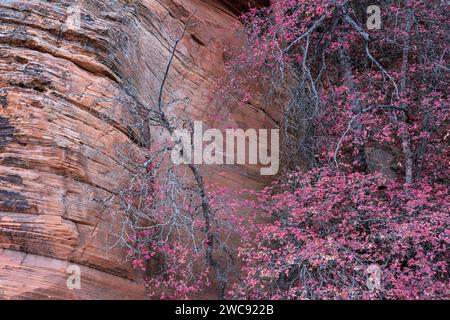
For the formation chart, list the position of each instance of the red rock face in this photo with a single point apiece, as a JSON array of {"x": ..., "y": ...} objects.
[{"x": 64, "y": 96}]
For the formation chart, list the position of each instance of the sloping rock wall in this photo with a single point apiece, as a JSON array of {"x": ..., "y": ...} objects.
[{"x": 64, "y": 93}]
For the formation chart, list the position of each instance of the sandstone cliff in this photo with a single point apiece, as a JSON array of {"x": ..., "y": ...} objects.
[{"x": 64, "y": 93}]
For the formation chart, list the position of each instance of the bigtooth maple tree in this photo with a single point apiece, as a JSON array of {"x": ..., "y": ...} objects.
[{"x": 330, "y": 225}]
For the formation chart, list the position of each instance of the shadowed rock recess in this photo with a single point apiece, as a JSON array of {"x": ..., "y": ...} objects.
[{"x": 64, "y": 95}]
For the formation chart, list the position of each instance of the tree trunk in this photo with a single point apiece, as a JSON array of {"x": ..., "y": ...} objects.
[
  {"x": 346, "y": 65},
  {"x": 405, "y": 138}
]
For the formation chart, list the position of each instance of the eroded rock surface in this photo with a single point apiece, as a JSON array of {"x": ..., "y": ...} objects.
[{"x": 64, "y": 93}]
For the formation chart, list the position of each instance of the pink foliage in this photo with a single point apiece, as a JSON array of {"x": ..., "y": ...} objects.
[
  {"x": 276, "y": 44},
  {"x": 328, "y": 228}
]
